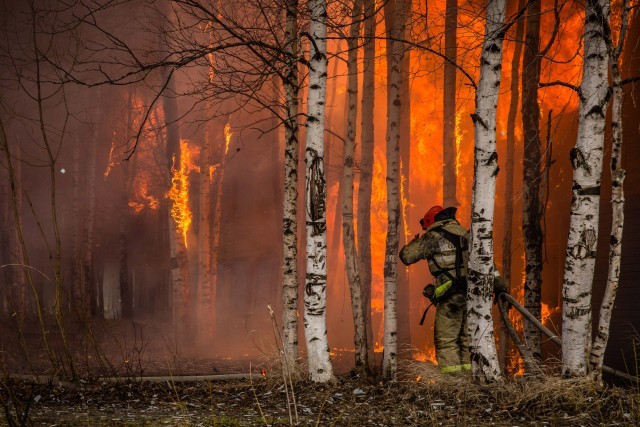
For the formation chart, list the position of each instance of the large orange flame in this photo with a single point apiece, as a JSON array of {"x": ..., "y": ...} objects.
[{"x": 179, "y": 191}]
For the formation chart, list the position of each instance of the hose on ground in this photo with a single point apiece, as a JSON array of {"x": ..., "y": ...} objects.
[{"x": 526, "y": 356}]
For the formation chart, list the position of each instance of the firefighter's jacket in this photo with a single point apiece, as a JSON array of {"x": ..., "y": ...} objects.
[{"x": 439, "y": 251}]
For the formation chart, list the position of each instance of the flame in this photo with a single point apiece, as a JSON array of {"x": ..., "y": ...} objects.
[
  {"x": 179, "y": 191},
  {"x": 142, "y": 198},
  {"x": 227, "y": 137},
  {"x": 111, "y": 163},
  {"x": 429, "y": 355}
]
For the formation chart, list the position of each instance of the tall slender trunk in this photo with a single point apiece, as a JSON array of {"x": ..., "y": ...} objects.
[
  {"x": 205, "y": 306},
  {"x": 216, "y": 223},
  {"x": 366, "y": 168},
  {"x": 351, "y": 255},
  {"x": 509, "y": 172},
  {"x": 394, "y": 22},
  {"x": 404, "y": 297},
  {"x": 126, "y": 291},
  {"x": 177, "y": 244},
  {"x": 290, "y": 211},
  {"x": 449, "y": 174},
  {"x": 617, "y": 201},
  {"x": 88, "y": 269},
  {"x": 315, "y": 295},
  {"x": 484, "y": 359},
  {"x": 76, "y": 303},
  {"x": 586, "y": 160},
  {"x": 204, "y": 298},
  {"x": 531, "y": 178}
]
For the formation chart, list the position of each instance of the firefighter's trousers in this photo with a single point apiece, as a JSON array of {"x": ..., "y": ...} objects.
[{"x": 451, "y": 340}]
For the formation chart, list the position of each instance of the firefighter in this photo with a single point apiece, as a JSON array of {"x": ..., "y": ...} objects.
[{"x": 445, "y": 246}]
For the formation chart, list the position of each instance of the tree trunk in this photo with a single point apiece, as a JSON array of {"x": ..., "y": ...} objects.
[
  {"x": 366, "y": 168},
  {"x": 217, "y": 213},
  {"x": 404, "y": 297},
  {"x": 89, "y": 223},
  {"x": 394, "y": 22},
  {"x": 77, "y": 303},
  {"x": 586, "y": 161},
  {"x": 484, "y": 359},
  {"x": 617, "y": 201},
  {"x": 177, "y": 241},
  {"x": 315, "y": 295},
  {"x": 531, "y": 178},
  {"x": 289, "y": 221},
  {"x": 449, "y": 172},
  {"x": 503, "y": 340},
  {"x": 205, "y": 307},
  {"x": 351, "y": 256}
]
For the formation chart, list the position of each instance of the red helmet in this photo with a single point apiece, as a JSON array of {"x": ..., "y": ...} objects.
[{"x": 429, "y": 217}]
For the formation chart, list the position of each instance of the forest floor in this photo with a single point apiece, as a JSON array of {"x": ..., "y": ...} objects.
[{"x": 421, "y": 397}]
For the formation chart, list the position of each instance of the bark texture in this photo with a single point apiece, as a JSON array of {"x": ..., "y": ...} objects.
[
  {"x": 531, "y": 178},
  {"x": 366, "y": 167},
  {"x": 289, "y": 221},
  {"x": 484, "y": 358},
  {"x": 586, "y": 161},
  {"x": 449, "y": 173},
  {"x": 617, "y": 202},
  {"x": 350, "y": 252},
  {"x": 394, "y": 20},
  {"x": 315, "y": 295},
  {"x": 509, "y": 172}
]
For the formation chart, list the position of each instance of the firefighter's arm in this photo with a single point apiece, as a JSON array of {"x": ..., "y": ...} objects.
[{"x": 414, "y": 251}]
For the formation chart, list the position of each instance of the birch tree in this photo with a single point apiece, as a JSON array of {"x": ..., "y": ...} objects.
[
  {"x": 366, "y": 166},
  {"x": 289, "y": 219},
  {"x": 395, "y": 31},
  {"x": 449, "y": 178},
  {"x": 617, "y": 199},
  {"x": 586, "y": 161},
  {"x": 484, "y": 359},
  {"x": 315, "y": 295},
  {"x": 351, "y": 255}
]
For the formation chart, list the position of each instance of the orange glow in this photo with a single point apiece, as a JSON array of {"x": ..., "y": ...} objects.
[
  {"x": 179, "y": 192},
  {"x": 142, "y": 199},
  {"x": 111, "y": 163},
  {"x": 429, "y": 355},
  {"x": 227, "y": 137}
]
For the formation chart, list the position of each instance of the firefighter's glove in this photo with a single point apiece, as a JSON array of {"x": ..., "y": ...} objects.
[{"x": 498, "y": 290}]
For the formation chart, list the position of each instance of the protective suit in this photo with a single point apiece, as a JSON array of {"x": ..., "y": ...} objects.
[{"x": 445, "y": 247}]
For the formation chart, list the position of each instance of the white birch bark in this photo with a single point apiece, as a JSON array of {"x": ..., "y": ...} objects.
[
  {"x": 586, "y": 161},
  {"x": 315, "y": 295},
  {"x": 351, "y": 255},
  {"x": 617, "y": 202},
  {"x": 482, "y": 346},
  {"x": 394, "y": 49},
  {"x": 289, "y": 221}
]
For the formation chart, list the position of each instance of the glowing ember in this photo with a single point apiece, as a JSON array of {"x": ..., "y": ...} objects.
[{"x": 227, "y": 136}]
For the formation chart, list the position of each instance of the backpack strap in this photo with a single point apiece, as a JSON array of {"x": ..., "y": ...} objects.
[{"x": 461, "y": 244}]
